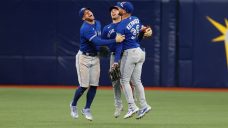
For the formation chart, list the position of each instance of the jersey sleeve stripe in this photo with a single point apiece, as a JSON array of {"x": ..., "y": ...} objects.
[{"x": 92, "y": 37}]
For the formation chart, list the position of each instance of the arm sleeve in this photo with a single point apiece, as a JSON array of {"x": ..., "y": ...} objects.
[
  {"x": 98, "y": 48},
  {"x": 141, "y": 33},
  {"x": 98, "y": 41},
  {"x": 104, "y": 33},
  {"x": 119, "y": 48},
  {"x": 120, "y": 29},
  {"x": 90, "y": 33},
  {"x": 140, "y": 36},
  {"x": 92, "y": 37}
]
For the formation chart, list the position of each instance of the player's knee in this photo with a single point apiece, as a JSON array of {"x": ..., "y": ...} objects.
[
  {"x": 81, "y": 90},
  {"x": 124, "y": 82},
  {"x": 116, "y": 84},
  {"x": 136, "y": 82},
  {"x": 93, "y": 87}
]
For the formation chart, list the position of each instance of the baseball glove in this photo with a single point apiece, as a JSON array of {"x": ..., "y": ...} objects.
[
  {"x": 104, "y": 51},
  {"x": 114, "y": 73},
  {"x": 146, "y": 31}
]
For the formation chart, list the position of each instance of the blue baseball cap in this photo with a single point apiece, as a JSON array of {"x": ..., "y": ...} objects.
[
  {"x": 127, "y": 6},
  {"x": 82, "y": 10},
  {"x": 113, "y": 7}
]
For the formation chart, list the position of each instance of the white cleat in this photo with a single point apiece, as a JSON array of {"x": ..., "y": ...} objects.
[
  {"x": 87, "y": 114},
  {"x": 73, "y": 111},
  {"x": 143, "y": 111},
  {"x": 131, "y": 112},
  {"x": 118, "y": 111}
]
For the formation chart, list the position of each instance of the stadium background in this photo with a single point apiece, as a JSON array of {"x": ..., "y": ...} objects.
[{"x": 39, "y": 39}]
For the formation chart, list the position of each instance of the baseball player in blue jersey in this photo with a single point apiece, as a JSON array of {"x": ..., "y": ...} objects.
[
  {"x": 87, "y": 61},
  {"x": 109, "y": 32},
  {"x": 132, "y": 60}
]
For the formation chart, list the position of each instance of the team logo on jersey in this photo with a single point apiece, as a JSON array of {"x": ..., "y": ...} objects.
[
  {"x": 110, "y": 33},
  {"x": 224, "y": 37},
  {"x": 98, "y": 33}
]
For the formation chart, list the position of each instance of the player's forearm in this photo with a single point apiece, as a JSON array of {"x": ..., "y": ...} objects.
[
  {"x": 98, "y": 48},
  {"x": 118, "y": 53},
  {"x": 140, "y": 36},
  {"x": 98, "y": 41},
  {"x": 117, "y": 58}
]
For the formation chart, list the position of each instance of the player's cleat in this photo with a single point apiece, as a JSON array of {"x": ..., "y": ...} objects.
[
  {"x": 131, "y": 112},
  {"x": 118, "y": 111},
  {"x": 87, "y": 114},
  {"x": 143, "y": 111},
  {"x": 73, "y": 111}
]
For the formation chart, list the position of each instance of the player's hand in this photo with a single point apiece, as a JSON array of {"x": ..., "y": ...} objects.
[
  {"x": 120, "y": 38},
  {"x": 114, "y": 72},
  {"x": 148, "y": 32},
  {"x": 115, "y": 65}
]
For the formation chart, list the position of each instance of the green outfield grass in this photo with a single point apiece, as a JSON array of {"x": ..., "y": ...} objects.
[{"x": 49, "y": 108}]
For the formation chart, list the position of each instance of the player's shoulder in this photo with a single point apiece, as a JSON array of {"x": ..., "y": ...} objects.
[
  {"x": 89, "y": 27},
  {"x": 122, "y": 23},
  {"x": 108, "y": 26},
  {"x": 85, "y": 26},
  {"x": 134, "y": 17},
  {"x": 97, "y": 22}
]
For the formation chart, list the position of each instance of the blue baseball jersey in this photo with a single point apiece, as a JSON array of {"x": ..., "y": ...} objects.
[
  {"x": 129, "y": 27},
  {"x": 109, "y": 32},
  {"x": 90, "y": 37}
]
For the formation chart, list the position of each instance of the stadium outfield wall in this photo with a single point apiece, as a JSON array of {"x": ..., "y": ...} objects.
[{"x": 39, "y": 40}]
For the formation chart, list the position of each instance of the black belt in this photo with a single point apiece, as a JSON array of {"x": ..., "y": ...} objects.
[{"x": 89, "y": 54}]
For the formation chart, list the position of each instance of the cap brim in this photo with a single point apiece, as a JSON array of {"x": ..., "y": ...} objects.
[
  {"x": 87, "y": 9},
  {"x": 82, "y": 11},
  {"x": 113, "y": 7}
]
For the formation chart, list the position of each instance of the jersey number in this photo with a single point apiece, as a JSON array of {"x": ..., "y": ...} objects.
[{"x": 135, "y": 32}]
